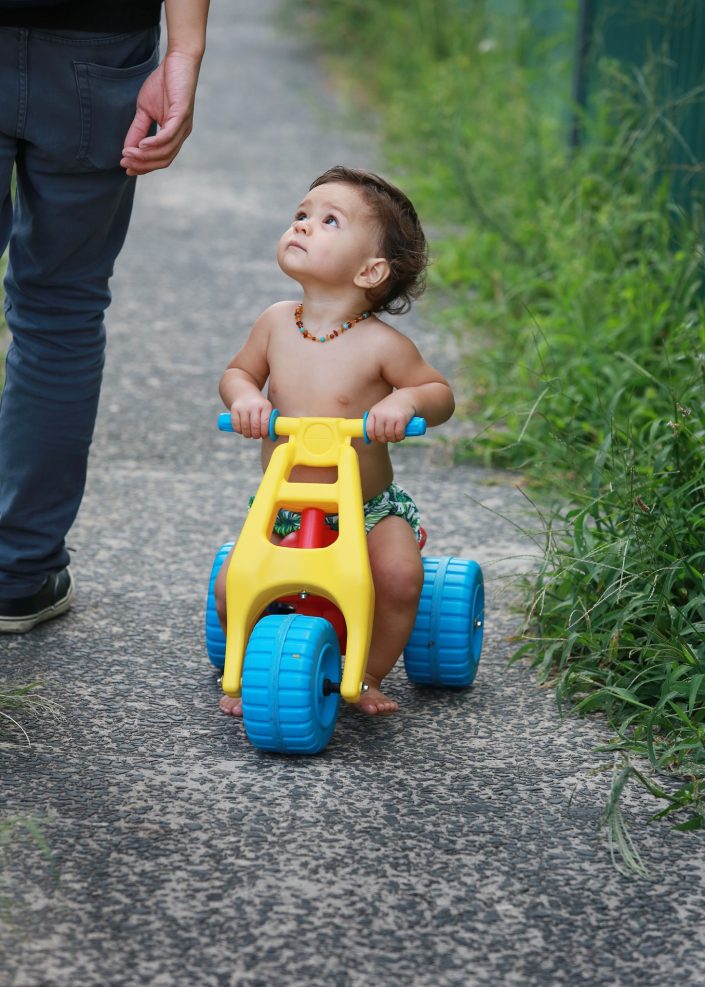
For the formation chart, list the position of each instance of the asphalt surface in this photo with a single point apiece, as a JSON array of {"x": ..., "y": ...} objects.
[{"x": 454, "y": 844}]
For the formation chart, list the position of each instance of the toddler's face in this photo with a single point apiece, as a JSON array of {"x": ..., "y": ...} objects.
[{"x": 331, "y": 238}]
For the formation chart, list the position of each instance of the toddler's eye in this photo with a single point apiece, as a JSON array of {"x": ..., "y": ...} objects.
[
  {"x": 299, "y": 216},
  {"x": 330, "y": 221}
]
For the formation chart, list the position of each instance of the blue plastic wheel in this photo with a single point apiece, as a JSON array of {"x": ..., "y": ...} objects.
[
  {"x": 286, "y": 704},
  {"x": 215, "y": 639},
  {"x": 446, "y": 642}
]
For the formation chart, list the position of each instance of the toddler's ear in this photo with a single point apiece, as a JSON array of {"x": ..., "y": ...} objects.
[{"x": 375, "y": 271}]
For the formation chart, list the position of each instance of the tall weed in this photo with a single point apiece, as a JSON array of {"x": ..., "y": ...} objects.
[{"x": 617, "y": 617}]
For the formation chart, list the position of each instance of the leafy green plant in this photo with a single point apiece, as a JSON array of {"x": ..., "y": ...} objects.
[{"x": 617, "y": 616}]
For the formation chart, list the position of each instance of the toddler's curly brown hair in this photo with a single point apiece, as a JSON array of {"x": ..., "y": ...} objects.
[{"x": 402, "y": 240}]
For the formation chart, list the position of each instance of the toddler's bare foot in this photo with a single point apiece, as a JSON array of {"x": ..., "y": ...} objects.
[
  {"x": 233, "y": 707},
  {"x": 373, "y": 702}
]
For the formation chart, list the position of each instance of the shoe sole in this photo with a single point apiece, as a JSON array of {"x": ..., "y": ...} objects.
[{"x": 20, "y": 625}]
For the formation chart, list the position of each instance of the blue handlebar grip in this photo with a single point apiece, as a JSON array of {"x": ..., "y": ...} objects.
[
  {"x": 365, "y": 436},
  {"x": 273, "y": 425},
  {"x": 225, "y": 424},
  {"x": 416, "y": 426}
]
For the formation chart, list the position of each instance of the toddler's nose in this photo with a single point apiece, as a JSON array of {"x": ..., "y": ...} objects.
[{"x": 301, "y": 225}]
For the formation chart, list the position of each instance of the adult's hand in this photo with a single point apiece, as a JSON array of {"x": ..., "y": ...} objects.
[{"x": 166, "y": 98}]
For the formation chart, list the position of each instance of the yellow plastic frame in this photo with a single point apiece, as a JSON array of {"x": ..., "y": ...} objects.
[{"x": 261, "y": 572}]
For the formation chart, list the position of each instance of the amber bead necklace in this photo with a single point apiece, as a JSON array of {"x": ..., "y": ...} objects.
[{"x": 344, "y": 326}]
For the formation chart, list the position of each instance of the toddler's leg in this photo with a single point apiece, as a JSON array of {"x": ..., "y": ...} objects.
[{"x": 397, "y": 573}]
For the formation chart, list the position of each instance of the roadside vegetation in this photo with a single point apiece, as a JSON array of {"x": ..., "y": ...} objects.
[
  {"x": 573, "y": 282},
  {"x": 17, "y": 703}
]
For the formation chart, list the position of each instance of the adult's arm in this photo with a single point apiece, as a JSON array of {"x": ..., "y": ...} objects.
[{"x": 168, "y": 94}]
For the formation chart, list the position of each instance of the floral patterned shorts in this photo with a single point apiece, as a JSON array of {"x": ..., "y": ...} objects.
[{"x": 394, "y": 501}]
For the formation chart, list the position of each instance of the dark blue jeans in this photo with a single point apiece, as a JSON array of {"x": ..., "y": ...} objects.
[{"x": 67, "y": 99}]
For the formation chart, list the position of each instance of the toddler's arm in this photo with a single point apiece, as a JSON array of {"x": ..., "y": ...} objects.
[
  {"x": 419, "y": 389},
  {"x": 242, "y": 382}
]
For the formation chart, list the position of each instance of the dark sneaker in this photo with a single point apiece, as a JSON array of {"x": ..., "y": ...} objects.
[{"x": 51, "y": 599}]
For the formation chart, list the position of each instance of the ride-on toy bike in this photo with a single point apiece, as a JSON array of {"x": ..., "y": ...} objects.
[{"x": 295, "y": 607}]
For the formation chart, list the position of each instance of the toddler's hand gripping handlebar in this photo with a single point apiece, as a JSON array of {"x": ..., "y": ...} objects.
[{"x": 357, "y": 426}]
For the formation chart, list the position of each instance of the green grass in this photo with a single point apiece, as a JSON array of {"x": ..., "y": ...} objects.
[
  {"x": 574, "y": 284},
  {"x": 18, "y": 703},
  {"x": 617, "y": 614}
]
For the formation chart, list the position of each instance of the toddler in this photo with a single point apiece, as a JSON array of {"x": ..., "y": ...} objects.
[{"x": 356, "y": 248}]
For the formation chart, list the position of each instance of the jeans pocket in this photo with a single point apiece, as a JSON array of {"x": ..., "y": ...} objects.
[{"x": 108, "y": 98}]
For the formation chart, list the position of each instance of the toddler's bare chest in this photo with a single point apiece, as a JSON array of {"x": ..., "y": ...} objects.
[{"x": 319, "y": 381}]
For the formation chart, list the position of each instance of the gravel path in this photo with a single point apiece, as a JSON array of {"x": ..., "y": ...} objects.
[{"x": 454, "y": 844}]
